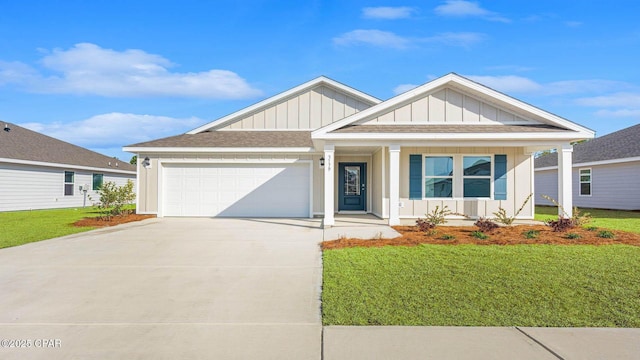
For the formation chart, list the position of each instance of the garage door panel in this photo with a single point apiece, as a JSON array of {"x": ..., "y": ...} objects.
[{"x": 226, "y": 190}]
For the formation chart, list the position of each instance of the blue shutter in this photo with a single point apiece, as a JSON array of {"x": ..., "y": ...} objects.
[
  {"x": 500, "y": 177},
  {"x": 415, "y": 177}
]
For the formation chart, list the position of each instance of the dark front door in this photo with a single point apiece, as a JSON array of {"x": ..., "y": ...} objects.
[{"x": 352, "y": 182}]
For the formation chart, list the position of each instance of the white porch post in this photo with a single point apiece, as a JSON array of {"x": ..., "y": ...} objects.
[
  {"x": 328, "y": 184},
  {"x": 565, "y": 192},
  {"x": 394, "y": 185}
]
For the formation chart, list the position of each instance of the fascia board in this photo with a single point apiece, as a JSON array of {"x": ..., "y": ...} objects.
[
  {"x": 65, "y": 166},
  {"x": 218, "y": 150},
  {"x": 277, "y": 98}
]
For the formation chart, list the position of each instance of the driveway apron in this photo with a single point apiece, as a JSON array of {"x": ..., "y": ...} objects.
[{"x": 171, "y": 288}]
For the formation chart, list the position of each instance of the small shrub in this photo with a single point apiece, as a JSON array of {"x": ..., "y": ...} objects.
[
  {"x": 531, "y": 234},
  {"x": 503, "y": 218},
  {"x": 579, "y": 218},
  {"x": 591, "y": 228},
  {"x": 479, "y": 235},
  {"x": 606, "y": 234},
  {"x": 486, "y": 225},
  {"x": 114, "y": 198},
  {"x": 433, "y": 219},
  {"x": 447, "y": 237},
  {"x": 573, "y": 236},
  {"x": 561, "y": 224}
]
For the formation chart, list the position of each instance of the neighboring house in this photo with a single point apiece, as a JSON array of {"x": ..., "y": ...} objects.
[
  {"x": 606, "y": 172},
  {"x": 40, "y": 172},
  {"x": 323, "y": 148}
]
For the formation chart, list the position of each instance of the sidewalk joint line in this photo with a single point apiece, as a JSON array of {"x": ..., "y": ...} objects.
[{"x": 540, "y": 343}]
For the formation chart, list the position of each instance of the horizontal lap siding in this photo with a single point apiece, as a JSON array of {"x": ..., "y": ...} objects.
[
  {"x": 615, "y": 186},
  {"x": 24, "y": 187},
  {"x": 546, "y": 183}
]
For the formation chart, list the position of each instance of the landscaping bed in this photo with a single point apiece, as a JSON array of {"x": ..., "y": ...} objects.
[
  {"x": 506, "y": 235},
  {"x": 114, "y": 220}
]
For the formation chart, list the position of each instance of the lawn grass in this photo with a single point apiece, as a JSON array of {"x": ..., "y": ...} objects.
[
  {"x": 471, "y": 285},
  {"x": 606, "y": 219},
  {"x": 21, "y": 227}
]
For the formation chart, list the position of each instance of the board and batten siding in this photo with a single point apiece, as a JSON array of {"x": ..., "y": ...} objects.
[
  {"x": 613, "y": 186},
  {"x": 519, "y": 184},
  {"x": 310, "y": 110},
  {"x": 450, "y": 107},
  {"x": 27, "y": 187}
]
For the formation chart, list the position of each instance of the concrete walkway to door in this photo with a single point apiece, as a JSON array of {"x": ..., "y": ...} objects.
[{"x": 172, "y": 288}]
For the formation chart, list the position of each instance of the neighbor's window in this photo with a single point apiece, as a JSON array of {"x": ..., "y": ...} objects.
[
  {"x": 438, "y": 177},
  {"x": 97, "y": 181},
  {"x": 585, "y": 182},
  {"x": 476, "y": 176},
  {"x": 68, "y": 182}
]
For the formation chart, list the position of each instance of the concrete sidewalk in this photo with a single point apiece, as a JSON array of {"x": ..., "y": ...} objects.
[{"x": 496, "y": 343}]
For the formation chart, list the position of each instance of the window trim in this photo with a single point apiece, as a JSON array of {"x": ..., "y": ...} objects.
[
  {"x": 65, "y": 183},
  {"x": 458, "y": 176},
  {"x": 93, "y": 181},
  {"x": 590, "y": 182}
]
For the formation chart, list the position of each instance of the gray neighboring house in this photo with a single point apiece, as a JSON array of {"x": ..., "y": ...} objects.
[
  {"x": 606, "y": 172},
  {"x": 40, "y": 172}
]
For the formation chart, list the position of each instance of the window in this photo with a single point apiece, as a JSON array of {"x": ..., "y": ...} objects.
[
  {"x": 68, "y": 183},
  {"x": 476, "y": 177},
  {"x": 97, "y": 181},
  {"x": 438, "y": 177},
  {"x": 585, "y": 182},
  {"x": 457, "y": 176}
]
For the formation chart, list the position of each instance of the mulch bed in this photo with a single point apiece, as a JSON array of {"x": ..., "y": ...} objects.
[
  {"x": 509, "y": 235},
  {"x": 115, "y": 220}
]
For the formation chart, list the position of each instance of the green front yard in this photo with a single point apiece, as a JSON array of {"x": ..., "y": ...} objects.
[
  {"x": 471, "y": 285},
  {"x": 21, "y": 227},
  {"x": 607, "y": 219}
]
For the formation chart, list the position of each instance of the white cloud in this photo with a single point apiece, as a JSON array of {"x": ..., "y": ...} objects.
[
  {"x": 635, "y": 113},
  {"x": 464, "y": 39},
  {"x": 89, "y": 69},
  {"x": 372, "y": 37},
  {"x": 115, "y": 129},
  {"x": 387, "y": 39},
  {"x": 507, "y": 83},
  {"x": 388, "y": 12},
  {"x": 403, "y": 88},
  {"x": 461, "y": 8},
  {"x": 620, "y": 99},
  {"x": 573, "y": 24}
]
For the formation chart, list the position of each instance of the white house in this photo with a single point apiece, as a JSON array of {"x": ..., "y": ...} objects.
[
  {"x": 40, "y": 172},
  {"x": 605, "y": 175},
  {"x": 323, "y": 148}
]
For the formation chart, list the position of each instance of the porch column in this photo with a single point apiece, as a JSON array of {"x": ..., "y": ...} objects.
[
  {"x": 565, "y": 192},
  {"x": 394, "y": 185},
  {"x": 328, "y": 185}
]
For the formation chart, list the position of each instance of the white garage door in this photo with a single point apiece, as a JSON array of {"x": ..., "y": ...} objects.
[{"x": 232, "y": 190}]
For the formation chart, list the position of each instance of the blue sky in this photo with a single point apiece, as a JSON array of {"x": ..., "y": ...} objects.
[{"x": 104, "y": 74}]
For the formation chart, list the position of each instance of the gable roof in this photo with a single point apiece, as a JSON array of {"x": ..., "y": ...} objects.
[
  {"x": 321, "y": 80},
  {"x": 621, "y": 144},
  {"x": 21, "y": 145},
  {"x": 458, "y": 82}
]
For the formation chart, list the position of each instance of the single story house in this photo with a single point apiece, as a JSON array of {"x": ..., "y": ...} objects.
[
  {"x": 40, "y": 172},
  {"x": 606, "y": 172},
  {"x": 323, "y": 148}
]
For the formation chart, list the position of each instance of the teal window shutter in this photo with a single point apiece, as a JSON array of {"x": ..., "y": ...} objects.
[
  {"x": 415, "y": 177},
  {"x": 500, "y": 177}
]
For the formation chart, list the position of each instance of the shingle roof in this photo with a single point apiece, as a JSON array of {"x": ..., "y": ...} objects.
[
  {"x": 234, "y": 139},
  {"x": 447, "y": 129},
  {"x": 621, "y": 144},
  {"x": 23, "y": 144}
]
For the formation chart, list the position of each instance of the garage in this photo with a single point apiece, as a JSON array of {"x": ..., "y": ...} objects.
[{"x": 236, "y": 190}]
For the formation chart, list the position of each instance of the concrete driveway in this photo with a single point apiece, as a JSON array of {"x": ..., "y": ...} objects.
[{"x": 166, "y": 289}]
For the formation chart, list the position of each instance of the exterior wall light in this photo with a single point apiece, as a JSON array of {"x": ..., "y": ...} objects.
[{"x": 322, "y": 162}]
